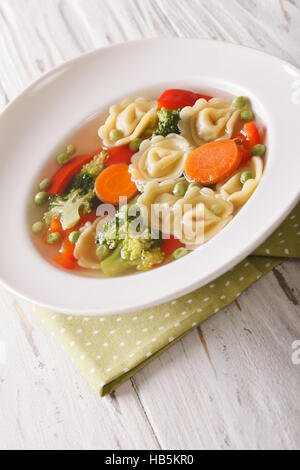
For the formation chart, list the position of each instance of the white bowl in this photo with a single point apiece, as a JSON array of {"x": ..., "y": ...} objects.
[{"x": 39, "y": 121}]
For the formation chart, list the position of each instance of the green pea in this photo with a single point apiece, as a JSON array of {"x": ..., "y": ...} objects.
[
  {"x": 246, "y": 115},
  {"x": 45, "y": 184},
  {"x": 258, "y": 150},
  {"x": 135, "y": 145},
  {"x": 247, "y": 175},
  {"x": 62, "y": 159},
  {"x": 37, "y": 227},
  {"x": 116, "y": 134},
  {"x": 180, "y": 253},
  {"x": 180, "y": 189},
  {"x": 41, "y": 198},
  {"x": 53, "y": 238},
  {"x": 74, "y": 236},
  {"x": 195, "y": 185},
  {"x": 102, "y": 251},
  {"x": 70, "y": 149},
  {"x": 240, "y": 102},
  {"x": 216, "y": 209}
]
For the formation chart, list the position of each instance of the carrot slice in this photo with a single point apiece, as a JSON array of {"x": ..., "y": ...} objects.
[
  {"x": 64, "y": 175},
  {"x": 115, "y": 182},
  {"x": 213, "y": 162}
]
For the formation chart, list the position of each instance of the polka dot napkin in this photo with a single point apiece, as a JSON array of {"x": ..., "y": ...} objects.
[{"x": 109, "y": 350}]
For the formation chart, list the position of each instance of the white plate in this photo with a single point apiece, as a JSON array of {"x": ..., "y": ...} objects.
[{"x": 36, "y": 124}]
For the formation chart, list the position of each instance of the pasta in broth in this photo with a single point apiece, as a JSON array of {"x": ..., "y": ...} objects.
[
  {"x": 170, "y": 174},
  {"x": 131, "y": 118},
  {"x": 159, "y": 159},
  {"x": 193, "y": 218},
  {"x": 208, "y": 120}
]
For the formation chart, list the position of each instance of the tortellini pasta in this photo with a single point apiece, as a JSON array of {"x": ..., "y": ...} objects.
[
  {"x": 194, "y": 218},
  {"x": 132, "y": 118},
  {"x": 156, "y": 205},
  {"x": 159, "y": 159},
  {"x": 207, "y": 121},
  {"x": 236, "y": 192}
]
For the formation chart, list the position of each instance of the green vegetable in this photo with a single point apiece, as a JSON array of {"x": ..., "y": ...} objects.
[
  {"x": 240, "y": 102},
  {"x": 62, "y": 159},
  {"x": 141, "y": 252},
  {"x": 68, "y": 208},
  {"x": 132, "y": 244},
  {"x": 168, "y": 122},
  {"x": 96, "y": 165},
  {"x": 41, "y": 198},
  {"x": 85, "y": 180},
  {"x": 135, "y": 145},
  {"x": 74, "y": 237},
  {"x": 102, "y": 251},
  {"x": 116, "y": 135},
  {"x": 195, "y": 185},
  {"x": 132, "y": 255},
  {"x": 53, "y": 238},
  {"x": 216, "y": 209},
  {"x": 45, "y": 184},
  {"x": 110, "y": 235},
  {"x": 180, "y": 189},
  {"x": 246, "y": 115},
  {"x": 180, "y": 253},
  {"x": 71, "y": 149},
  {"x": 37, "y": 227},
  {"x": 247, "y": 175},
  {"x": 258, "y": 150}
]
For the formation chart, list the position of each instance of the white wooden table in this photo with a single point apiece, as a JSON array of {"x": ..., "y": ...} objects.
[{"x": 230, "y": 385}]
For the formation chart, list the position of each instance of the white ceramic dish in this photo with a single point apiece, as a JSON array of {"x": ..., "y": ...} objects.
[{"x": 42, "y": 118}]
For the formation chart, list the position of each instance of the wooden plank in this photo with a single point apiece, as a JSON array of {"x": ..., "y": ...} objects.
[{"x": 46, "y": 403}]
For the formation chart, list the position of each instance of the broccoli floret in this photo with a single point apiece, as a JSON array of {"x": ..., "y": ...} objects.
[
  {"x": 117, "y": 229},
  {"x": 85, "y": 180},
  {"x": 133, "y": 244},
  {"x": 114, "y": 265},
  {"x": 132, "y": 253},
  {"x": 68, "y": 208},
  {"x": 168, "y": 122},
  {"x": 150, "y": 258},
  {"x": 110, "y": 234}
]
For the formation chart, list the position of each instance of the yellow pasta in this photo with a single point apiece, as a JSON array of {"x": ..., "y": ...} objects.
[{"x": 236, "y": 192}]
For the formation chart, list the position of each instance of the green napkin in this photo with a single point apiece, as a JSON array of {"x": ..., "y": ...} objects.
[{"x": 109, "y": 350}]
